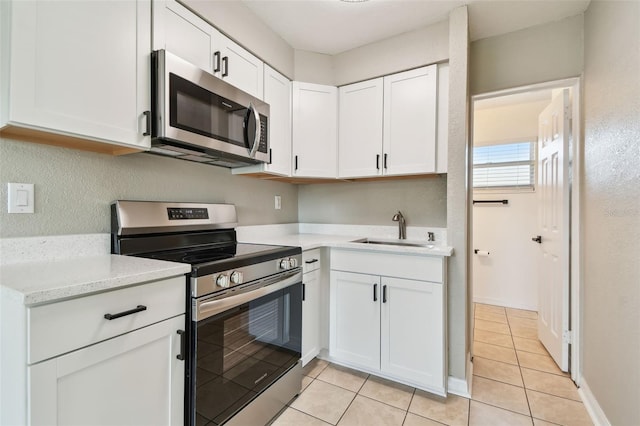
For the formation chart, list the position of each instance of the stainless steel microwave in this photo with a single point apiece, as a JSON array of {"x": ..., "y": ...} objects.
[{"x": 198, "y": 117}]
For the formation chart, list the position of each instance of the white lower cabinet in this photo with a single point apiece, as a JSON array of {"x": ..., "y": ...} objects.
[
  {"x": 135, "y": 378},
  {"x": 389, "y": 326},
  {"x": 311, "y": 300},
  {"x": 111, "y": 358},
  {"x": 355, "y": 318}
]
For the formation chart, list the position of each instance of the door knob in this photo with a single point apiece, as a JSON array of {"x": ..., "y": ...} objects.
[{"x": 537, "y": 239}]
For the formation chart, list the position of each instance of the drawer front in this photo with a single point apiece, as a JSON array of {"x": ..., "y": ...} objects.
[
  {"x": 413, "y": 267},
  {"x": 310, "y": 260},
  {"x": 65, "y": 326}
]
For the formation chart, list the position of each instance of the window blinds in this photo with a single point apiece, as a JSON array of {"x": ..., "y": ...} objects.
[{"x": 510, "y": 165}]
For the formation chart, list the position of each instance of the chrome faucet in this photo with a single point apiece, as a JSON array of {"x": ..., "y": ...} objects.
[{"x": 402, "y": 225}]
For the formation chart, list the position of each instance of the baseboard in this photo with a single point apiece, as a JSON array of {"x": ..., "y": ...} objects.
[
  {"x": 500, "y": 302},
  {"x": 462, "y": 387},
  {"x": 591, "y": 404}
]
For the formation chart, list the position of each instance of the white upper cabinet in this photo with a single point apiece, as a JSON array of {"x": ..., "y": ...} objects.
[
  {"x": 183, "y": 33},
  {"x": 315, "y": 133},
  {"x": 79, "y": 69},
  {"x": 277, "y": 93},
  {"x": 360, "y": 129},
  {"x": 240, "y": 68},
  {"x": 410, "y": 101},
  {"x": 388, "y": 126},
  {"x": 179, "y": 31}
]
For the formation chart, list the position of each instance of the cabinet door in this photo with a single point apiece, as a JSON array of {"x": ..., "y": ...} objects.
[
  {"x": 277, "y": 93},
  {"x": 310, "y": 316},
  {"x": 240, "y": 68},
  {"x": 412, "y": 346},
  {"x": 360, "y": 129},
  {"x": 314, "y": 130},
  {"x": 181, "y": 32},
  {"x": 410, "y": 122},
  {"x": 82, "y": 68},
  {"x": 135, "y": 378},
  {"x": 355, "y": 318}
]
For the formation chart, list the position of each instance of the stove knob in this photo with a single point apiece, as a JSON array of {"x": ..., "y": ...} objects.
[
  {"x": 236, "y": 277},
  {"x": 285, "y": 264},
  {"x": 222, "y": 281},
  {"x": 293, "y": 262}
]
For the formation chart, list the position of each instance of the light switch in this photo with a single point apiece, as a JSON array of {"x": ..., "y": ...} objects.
[
  {"x": 21, "y": 197},
  {"x": 22, "y": 200},
  {"x": 278, "y": 202}
]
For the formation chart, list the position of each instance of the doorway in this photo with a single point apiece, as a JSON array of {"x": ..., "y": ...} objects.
[{"x": 508, "y": 214}]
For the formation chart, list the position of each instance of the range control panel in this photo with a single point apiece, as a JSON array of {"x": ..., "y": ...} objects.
[{"x": 181, "y": 213}]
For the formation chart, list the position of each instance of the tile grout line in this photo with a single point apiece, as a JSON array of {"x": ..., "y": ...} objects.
[{"x": 524, "y": 385}]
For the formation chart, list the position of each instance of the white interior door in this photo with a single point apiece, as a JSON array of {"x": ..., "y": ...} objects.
[{"x": 553, "y": 192}]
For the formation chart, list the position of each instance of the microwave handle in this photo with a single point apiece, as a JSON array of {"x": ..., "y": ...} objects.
[{"x": 256, "y": 141}]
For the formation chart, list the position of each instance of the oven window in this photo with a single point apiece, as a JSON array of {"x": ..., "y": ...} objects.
[
  {"x": 197, "y": 110},
  {"x": 240, "y": 352}
]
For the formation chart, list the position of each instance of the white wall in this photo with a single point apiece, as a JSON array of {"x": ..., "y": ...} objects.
[
  {"x": 611, "y": 208},
  {"x": 509, "y": 275},
  {"x": 510, "y": 123}
]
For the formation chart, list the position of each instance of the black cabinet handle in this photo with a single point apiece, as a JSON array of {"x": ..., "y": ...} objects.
[
  {"x": 304, "y": 291},
  {"x": 385, "y": 161},
  {"x": 537, "y": 239},
  {"x": 295, "y": 163},
  {"x": 375, "y": 292},
  {"x": 384, "y": 294},
  {"x": 183, "y": 345},
  {"x": 225, "y": 66},
  {"x": 270, "y": 156},
  {"x": 216, "y": 61},
  {"x": 147, "y": 116},
  {"x": 308, "y": 262},
  {"x": 137, "y": 309},
  {"x": 377, "y": 161}
]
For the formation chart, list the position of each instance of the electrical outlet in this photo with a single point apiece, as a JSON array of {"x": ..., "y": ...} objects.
[{"x": 278, "y": 202}]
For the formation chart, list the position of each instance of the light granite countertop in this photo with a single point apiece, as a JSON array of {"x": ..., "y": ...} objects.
[
  {"x": 312, "y": 241},
  {"x": 35, "y": 283}
]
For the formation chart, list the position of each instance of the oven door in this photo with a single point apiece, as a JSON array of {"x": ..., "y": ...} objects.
[{"x": 242, "y": 342}]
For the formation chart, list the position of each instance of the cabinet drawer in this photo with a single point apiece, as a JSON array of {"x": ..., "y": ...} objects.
[
  {"x": 310, "y": 260},
  {"x": 413, "y": 267},
  {"x": 65, "y": 326}
]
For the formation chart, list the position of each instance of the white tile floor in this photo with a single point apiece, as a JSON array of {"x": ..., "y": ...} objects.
[{"x": 515, "y": 383}]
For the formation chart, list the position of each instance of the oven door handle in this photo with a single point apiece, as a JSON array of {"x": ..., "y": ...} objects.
[{"x": 207, "y": 308}]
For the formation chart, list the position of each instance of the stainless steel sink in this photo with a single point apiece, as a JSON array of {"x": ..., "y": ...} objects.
[{"x": 393, "y": 243}]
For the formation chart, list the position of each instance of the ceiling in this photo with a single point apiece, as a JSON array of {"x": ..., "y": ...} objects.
[{"x": 334, "y": 26}]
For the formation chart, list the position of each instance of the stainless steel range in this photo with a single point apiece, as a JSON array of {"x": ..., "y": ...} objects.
[{"x": 244, "y": 316}]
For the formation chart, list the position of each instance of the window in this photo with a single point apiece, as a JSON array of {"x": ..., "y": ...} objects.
[{"x": 510, "y": 165}]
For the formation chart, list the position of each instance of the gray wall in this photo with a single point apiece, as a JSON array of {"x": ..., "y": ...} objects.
[
  {"x": 73, "y": 189},
  {"x": 459, "y": 306},
  {"x": 611, "y": 208},
  {"x": 546, "y": 52},
  {"x": 239, "y": 22},
  {"x": 423, "y": 202},
  {"x": 413, "y": 49}
]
